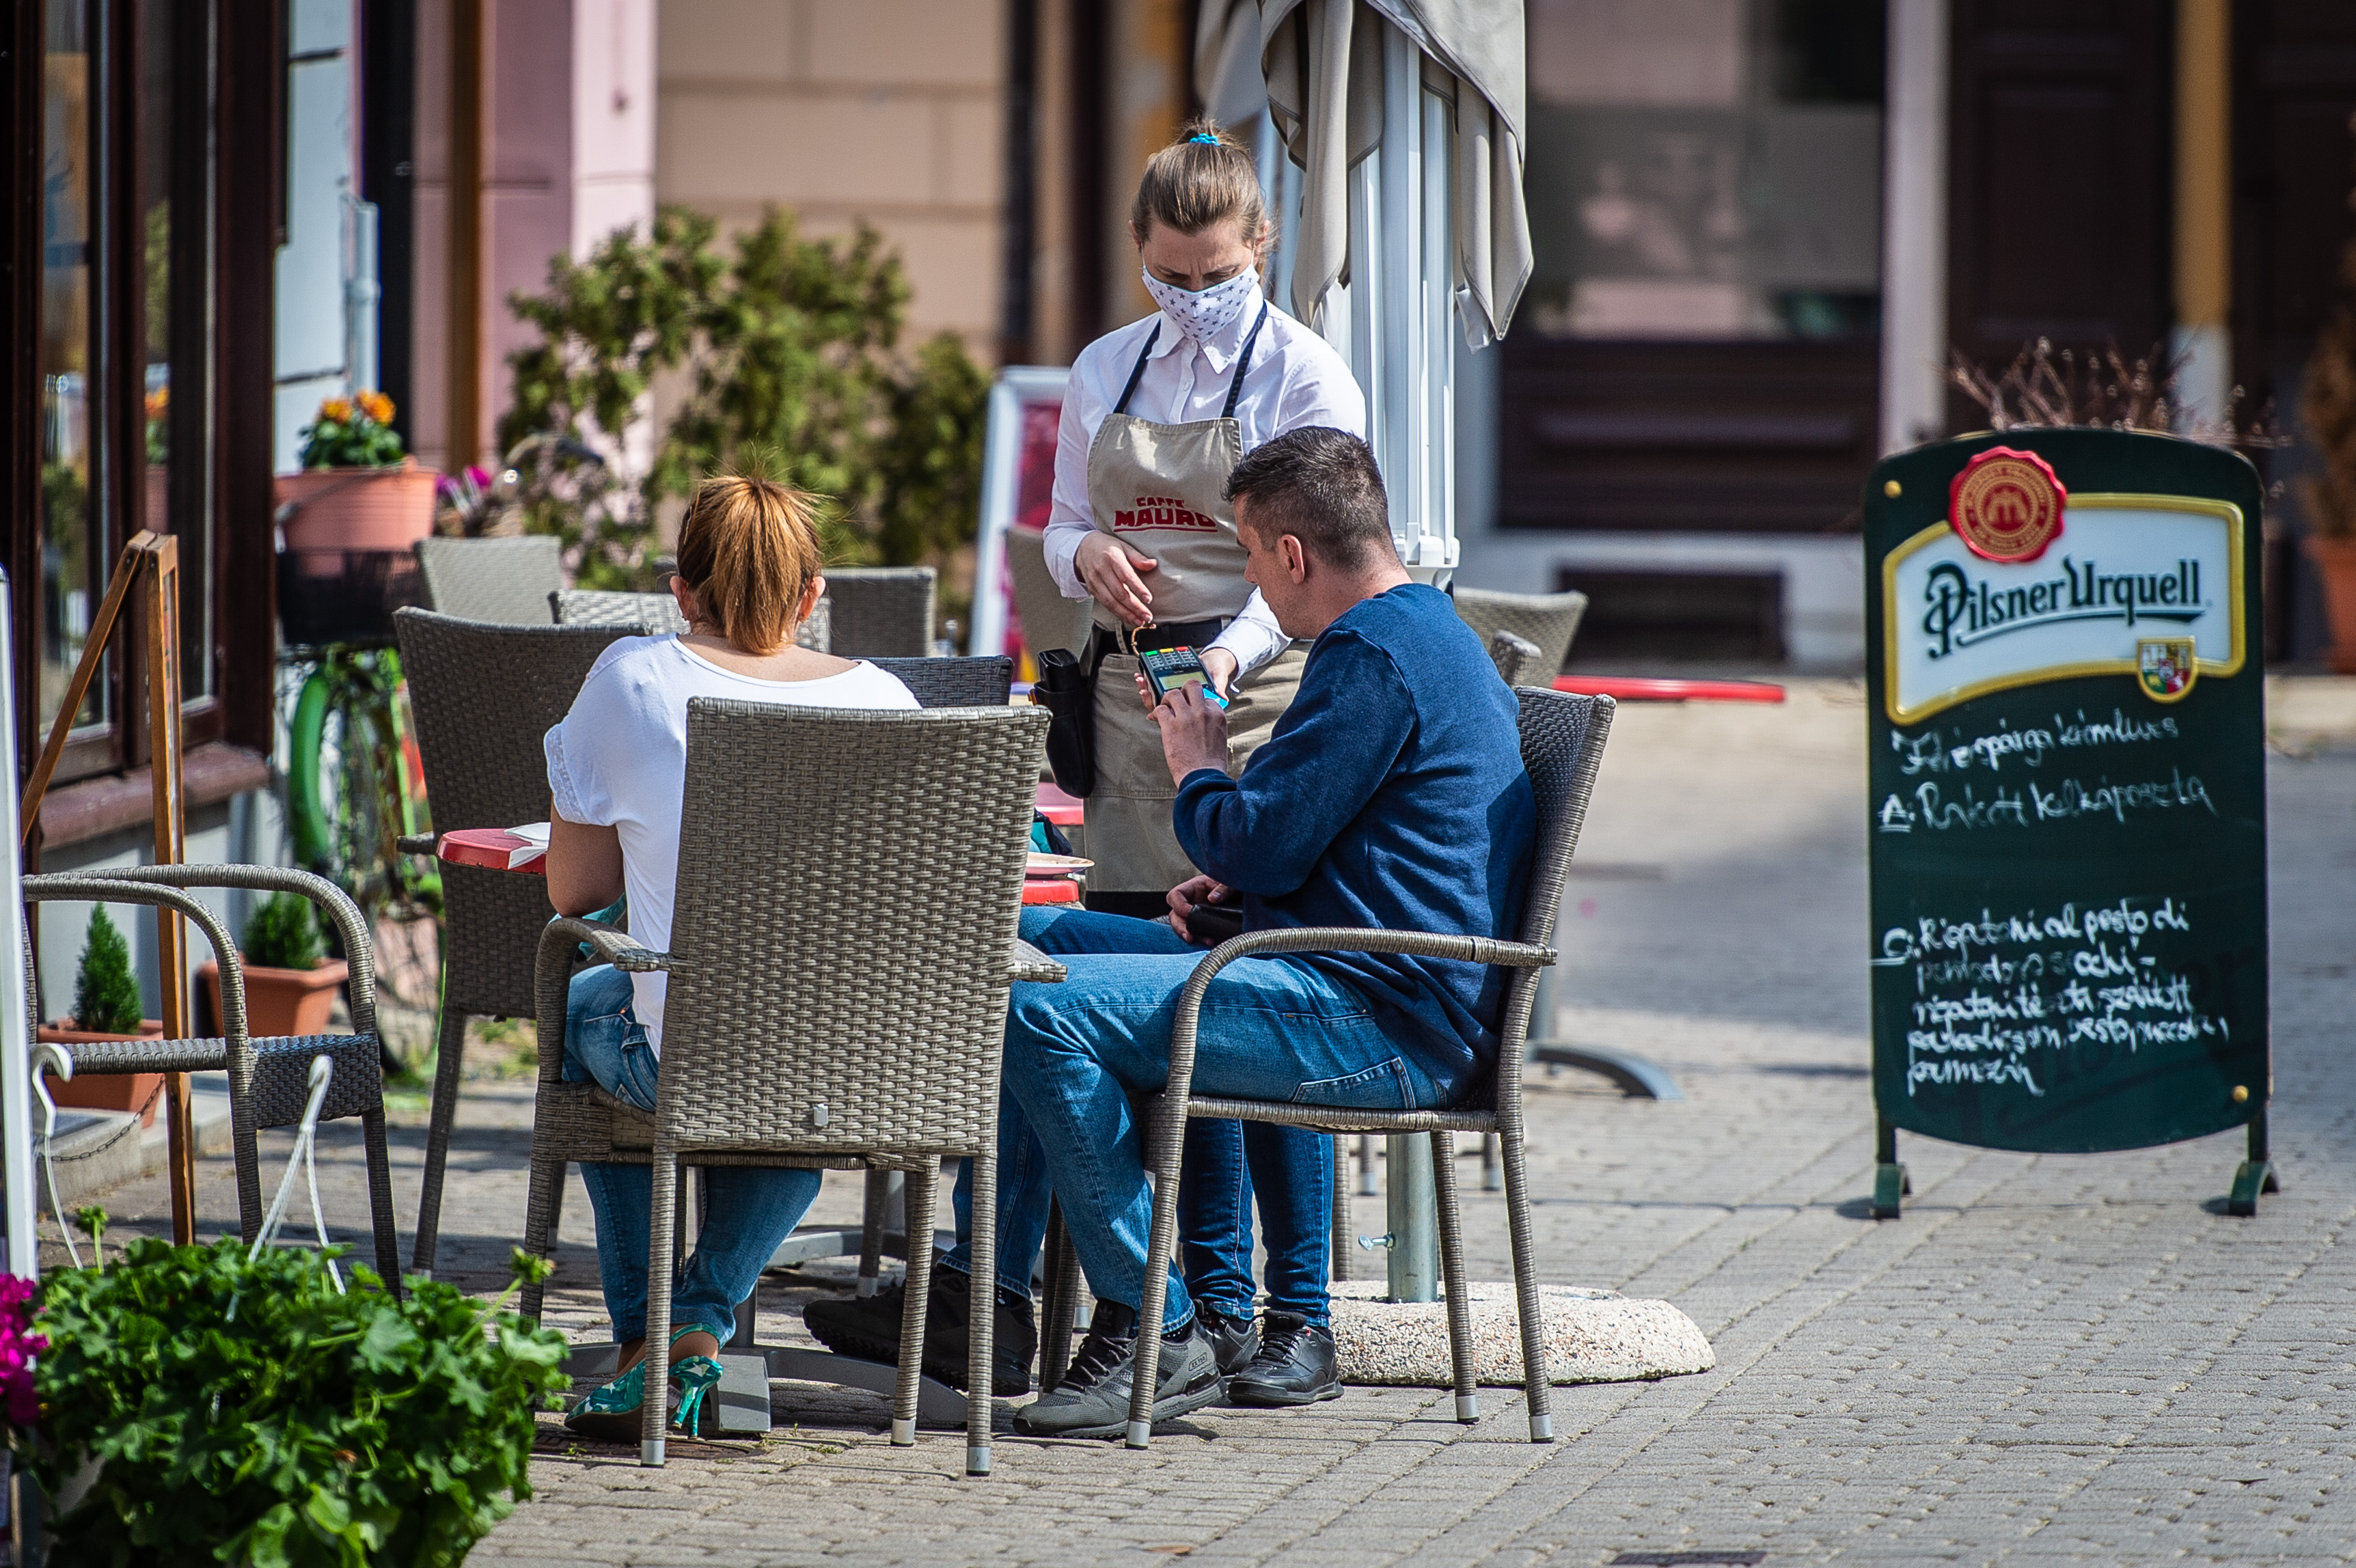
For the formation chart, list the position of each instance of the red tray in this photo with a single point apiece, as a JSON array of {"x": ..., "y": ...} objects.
[{"x": 490, "y": 847}]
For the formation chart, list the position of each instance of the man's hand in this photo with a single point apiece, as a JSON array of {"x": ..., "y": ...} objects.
[
  {"x": 1110, "y": 569},
  {"x": 1191, "y": 892},
  {"x": 1193, "y": 732}
]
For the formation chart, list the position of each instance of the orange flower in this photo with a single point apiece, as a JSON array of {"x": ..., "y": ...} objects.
[
  {"x": 158, "y": 402},
  {"x": 337, "y": 411},
  {"x": 376, "y": 405}
]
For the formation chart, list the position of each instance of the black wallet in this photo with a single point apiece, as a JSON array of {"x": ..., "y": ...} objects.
[
  {"x": 1211, "y": 924},
  {"x": 1069, "y": 695}
]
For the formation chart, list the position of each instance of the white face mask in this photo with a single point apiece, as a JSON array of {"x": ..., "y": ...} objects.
[{"x": 1208, "y": 313}]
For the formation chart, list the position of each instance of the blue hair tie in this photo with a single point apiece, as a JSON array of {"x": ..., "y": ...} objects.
[{"x": 1200, "y": 136}]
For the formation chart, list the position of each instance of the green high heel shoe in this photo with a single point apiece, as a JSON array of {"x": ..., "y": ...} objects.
[{"x": 611, "y": 1413}]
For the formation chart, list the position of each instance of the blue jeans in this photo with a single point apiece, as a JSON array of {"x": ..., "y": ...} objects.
[
  {"x": 1270, "y": 1029},
  {"x": 748, "y": 1210},
  {"x": 1228, "y": 1164}
]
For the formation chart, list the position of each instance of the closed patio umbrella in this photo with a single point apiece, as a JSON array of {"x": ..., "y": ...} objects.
[{"x": 1405, "y": 118}]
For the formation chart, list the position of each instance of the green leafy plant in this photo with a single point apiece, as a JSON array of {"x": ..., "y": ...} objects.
[
  {"x": 282, "y": 933},
  {"x": 352, "y": 433},
  {"x": 248, "y": 1413},
  {"x": 92, "y": 1219},
  {"x": 106, "y": 993},
  {"x": 788, "y": 352}
]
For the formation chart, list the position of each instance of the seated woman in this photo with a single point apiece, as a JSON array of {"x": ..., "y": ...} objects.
[{"x": 748, "y": 575}]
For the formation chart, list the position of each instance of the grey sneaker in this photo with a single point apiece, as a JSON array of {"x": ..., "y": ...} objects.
[{"x": 1092, "y": 1399}]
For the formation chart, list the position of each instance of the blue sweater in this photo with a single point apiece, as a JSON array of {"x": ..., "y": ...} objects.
[{"x": 1390, "y": 794}]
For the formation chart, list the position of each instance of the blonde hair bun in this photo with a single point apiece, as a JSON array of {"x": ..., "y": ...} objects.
[{"x": 749, "y": 549}]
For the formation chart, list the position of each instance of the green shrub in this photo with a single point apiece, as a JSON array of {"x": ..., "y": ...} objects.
[
  {"x": 248, "y": 1413},
  {"x": 282, "y": 933},
  {"x": 788, "y": 357},
  {"x": 106, "y": 993}
]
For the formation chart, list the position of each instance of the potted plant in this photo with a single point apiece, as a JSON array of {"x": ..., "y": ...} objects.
[
  {"x": 290, "y": 982},
  {"x": 106, "y": 1006},
  {"x": 2328, "y": 406},
  {"x": 199, "y": 1407},
  {"x": 356, "y": 490}
]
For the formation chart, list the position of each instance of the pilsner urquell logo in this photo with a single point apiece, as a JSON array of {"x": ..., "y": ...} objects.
[
  {"x": 1163, "y": 512},
  {"x": 1958, "y": 611}
]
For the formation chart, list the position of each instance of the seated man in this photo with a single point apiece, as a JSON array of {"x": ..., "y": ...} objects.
[{"x": 1391, "y": 796}]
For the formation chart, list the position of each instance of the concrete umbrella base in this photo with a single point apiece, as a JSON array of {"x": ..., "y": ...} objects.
[{"x": 1592, "y": 1336}]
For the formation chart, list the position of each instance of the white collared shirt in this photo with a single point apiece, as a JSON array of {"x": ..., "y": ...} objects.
[{"x": 1295, "y": 381}]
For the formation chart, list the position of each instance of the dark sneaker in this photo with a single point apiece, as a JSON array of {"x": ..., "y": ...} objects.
[
  {"x": 868, "y": 1328},
  {"x": 1234, "y": 1340},
  {"x": 1092, "y": 1399},
  {"x": 1295, "y": 1365}
]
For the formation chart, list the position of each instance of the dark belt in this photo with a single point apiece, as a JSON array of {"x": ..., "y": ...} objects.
[{"x": 1196, "y": 634}]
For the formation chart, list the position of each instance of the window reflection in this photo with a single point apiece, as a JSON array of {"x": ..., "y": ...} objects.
[
  {"x": 70, "y": 560},
  {"x": 1705, "y": 168}
]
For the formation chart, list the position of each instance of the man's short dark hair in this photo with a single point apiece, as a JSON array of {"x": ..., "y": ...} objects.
[{"x": 1321, "y": 486}]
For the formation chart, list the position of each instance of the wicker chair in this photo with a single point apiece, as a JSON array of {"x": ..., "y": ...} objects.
[
  {"x": 1548, "y": 620},
  {"x": 1514, "y": 656},
  {"x": 837, "y": 996},
  {"x": 269, "y": 1078},
  {"x": 882, "y": 610},
  {"x": 484, "y": 697},
  {"x": 503, "y": 580},
  {"x": 1562, "y": 745},
  {"x": 986, "y": 680},
  {"x": 1049, "y": 620},
  {"x": 656, "y": 614}
]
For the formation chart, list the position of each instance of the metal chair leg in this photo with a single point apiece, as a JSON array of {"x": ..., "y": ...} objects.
[
  {"x": 542, "y": 1207},
  {"x": 920, "y": 1189},
  {"x": 1534, "y": 1382},
  {"x": 1160, "y": 1247},
  {"x": 380, "y": 1178},
  {"x": 1059, "y": 1302},
  {"x": 1337, "y": 1262},
  {"x": 871, "y": 1232},
  {"x": 449, "y": 1063},
  {"x": 1366, "y": 1188},
  {"x": 1451, "y": 1275},
  {"x": 983, "y": 1308},
  {"x": 660, "y": 1235}
]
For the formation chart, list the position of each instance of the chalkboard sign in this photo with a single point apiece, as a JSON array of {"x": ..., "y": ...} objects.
[{"x": 2067, "y": 826}]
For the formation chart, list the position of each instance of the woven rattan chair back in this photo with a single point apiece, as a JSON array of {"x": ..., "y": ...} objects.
[
  {"x": 1049, "y": 620},
  {"x": 1512, "y": 655},
  {"x": 1548, "y": 620},
  {"x": 847, "y": 885},
  {"x": 655, "y": 615},
  {"x": 1562, "y": 746},
  {"x": 485, "y": 695},
  {"x": 881, "y": 611},
  {"x": 984, "y": 681},
  {"x": 506, "y": 579}
]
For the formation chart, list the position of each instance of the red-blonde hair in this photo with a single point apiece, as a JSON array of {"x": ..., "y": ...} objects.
[{"x": 748, "y": 548}]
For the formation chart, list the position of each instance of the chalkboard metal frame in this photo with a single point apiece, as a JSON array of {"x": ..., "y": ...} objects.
[{"x": 2010, "y": 864}]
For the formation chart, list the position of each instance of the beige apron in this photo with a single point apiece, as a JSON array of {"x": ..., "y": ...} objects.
[{"x": 1160, "y": 489}]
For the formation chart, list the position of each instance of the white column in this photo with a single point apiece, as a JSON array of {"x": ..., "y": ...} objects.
[{"x": 1914, "y": 343}]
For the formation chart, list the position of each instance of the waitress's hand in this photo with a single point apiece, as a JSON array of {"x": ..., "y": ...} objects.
[
  {"x": 1111, "y": 569},
  {"x": 1220, "y": 666}
]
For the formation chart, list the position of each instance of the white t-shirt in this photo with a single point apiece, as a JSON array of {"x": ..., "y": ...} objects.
[{"x": 619, "y": 759}]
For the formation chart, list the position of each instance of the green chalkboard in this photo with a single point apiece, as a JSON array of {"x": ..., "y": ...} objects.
[{"x": 2067, "y": 828}]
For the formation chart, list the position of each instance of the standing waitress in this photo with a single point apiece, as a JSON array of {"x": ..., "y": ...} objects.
[{"x": 1155, "y": 417}]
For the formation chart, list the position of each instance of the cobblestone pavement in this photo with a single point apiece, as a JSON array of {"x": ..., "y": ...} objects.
[{"x": 2049, "y": 1358}]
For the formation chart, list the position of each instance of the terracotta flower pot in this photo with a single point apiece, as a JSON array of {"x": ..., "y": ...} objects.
[
  {"x": 282, "y": 1001},
  {"x": 339, "y": 509},
  {"x": 2334, "y": 559},
  {"x": 106, "y": 1091}
]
